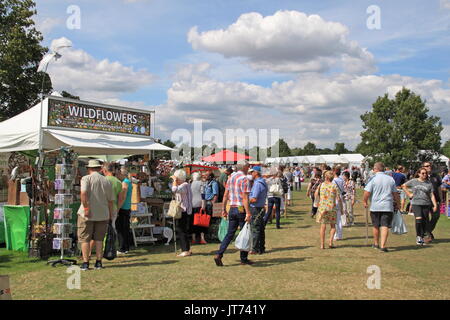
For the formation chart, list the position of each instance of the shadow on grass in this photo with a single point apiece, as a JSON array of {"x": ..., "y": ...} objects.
[
  {"x": 287, "y": 249},
  {"x": 212, "y": 253},
  {"x": 436, "y": 241},
  {"x": 4, "y": 259},
  {"x": 411, "y": 247},
  {"x": 357, "y": 238},
  {"x": 141, "y": 264},
  {"x": 273, "y": 262}
]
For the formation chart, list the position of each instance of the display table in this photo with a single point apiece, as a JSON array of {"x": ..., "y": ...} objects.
[{"x": 17, "y": 220}]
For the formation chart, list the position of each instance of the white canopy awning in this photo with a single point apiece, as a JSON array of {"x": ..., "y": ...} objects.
[{"x": 21, "y": 133}]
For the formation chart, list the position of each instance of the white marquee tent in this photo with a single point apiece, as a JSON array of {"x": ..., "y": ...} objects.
[
  {"x": 21, "y": 133},
  {"x": 329, "y": 159}
]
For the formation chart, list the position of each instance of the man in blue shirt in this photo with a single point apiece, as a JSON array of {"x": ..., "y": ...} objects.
[
  {"x": 258, "y": 196},
  {"x": 382, "y": 193}
]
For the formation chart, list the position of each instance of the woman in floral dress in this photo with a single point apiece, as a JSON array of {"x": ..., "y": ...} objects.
[
  {"x": 326, "y": 214},
  {"x": 349, "y": 198}
]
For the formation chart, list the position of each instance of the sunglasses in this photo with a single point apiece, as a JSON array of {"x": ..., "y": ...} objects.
[{"x": 424, "y": 173}]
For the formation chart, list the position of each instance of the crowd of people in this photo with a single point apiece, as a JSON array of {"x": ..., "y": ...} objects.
[{"x": 256, "y": 195}]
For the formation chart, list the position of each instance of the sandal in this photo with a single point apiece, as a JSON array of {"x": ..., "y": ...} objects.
[{"x": 184, "y": 254}]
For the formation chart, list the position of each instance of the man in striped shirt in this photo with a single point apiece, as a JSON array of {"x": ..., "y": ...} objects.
[{"x": 236, "y": 193}]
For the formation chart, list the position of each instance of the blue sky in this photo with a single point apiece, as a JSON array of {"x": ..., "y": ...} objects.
[{"x": 158, "y": 64}]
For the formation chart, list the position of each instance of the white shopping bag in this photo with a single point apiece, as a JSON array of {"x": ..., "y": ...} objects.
[
  {"x": 398, "y": 225},
  {"x": 343, "y": 219},
  {"x": 244, "y": 239}
]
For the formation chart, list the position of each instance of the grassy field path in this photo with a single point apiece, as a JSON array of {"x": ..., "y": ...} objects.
[{"x": 293, "y": 268}]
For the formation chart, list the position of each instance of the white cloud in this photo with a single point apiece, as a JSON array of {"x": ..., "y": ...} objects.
[
  {"x": 445, "y": 4},
  {"x": 313, "y": 107},
  {"x": 81, "y": 74},
  {"x": 45, "y": 26},
  {"x": 288, "y": 41}
]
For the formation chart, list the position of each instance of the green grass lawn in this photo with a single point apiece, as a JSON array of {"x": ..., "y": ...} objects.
[{"x": 293, "y": 268}]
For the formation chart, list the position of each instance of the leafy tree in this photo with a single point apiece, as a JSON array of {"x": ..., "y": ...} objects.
[
  {"x": 325, "y": 151},
  {"x": 66, "y": 94},
  {"x": 446, "y": 149},
  {"x": 165, "y": 154},
  {"x": 20, "y": 54},
  {"x": 397, "y": 129},
  {"x": 310, "y": 149},
  {"x": 283, "y": 149},
  {"x": 297, "y": 152},
  {"x": 339, "y": 148}
]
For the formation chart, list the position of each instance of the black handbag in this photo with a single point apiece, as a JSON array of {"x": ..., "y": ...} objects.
[{"x": 110, "y": 252}]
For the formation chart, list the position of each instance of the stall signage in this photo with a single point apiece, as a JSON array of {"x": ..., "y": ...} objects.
[{"x": 90, "y": 117}]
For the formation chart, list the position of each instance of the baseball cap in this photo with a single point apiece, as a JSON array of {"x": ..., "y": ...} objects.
[{"x": 255, "y": 168}]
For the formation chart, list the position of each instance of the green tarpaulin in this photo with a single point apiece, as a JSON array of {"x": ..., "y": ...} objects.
[
  {"x": 17, "y": 220},
  {"x": 2, "y": 231}
]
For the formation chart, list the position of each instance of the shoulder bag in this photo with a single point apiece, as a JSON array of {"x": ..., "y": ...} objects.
[{"x": 175, "y": 209}]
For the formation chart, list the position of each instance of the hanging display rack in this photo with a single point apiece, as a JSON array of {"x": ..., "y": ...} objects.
[{"x": 65, "y": 171}]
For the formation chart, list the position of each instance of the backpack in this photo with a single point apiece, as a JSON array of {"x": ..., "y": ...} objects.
[{"x": 284, "y": 184}]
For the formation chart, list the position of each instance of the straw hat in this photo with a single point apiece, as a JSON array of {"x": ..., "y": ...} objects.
[{"x": 94, "y": 164}]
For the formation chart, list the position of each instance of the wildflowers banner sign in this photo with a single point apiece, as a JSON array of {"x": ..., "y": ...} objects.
[{"x": 91, "y": 117}]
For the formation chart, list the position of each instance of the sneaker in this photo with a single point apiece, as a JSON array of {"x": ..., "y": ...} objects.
[
  {"x": 375, "y": 246},
  {"x": 98, "y": 265},
  {"x": 203, "y": 242},
  {"x": 121, "y": 252},
  {"x": 247, "y": 262},
  {"x": 384, "y": 250},
  {"x": 85, "y": 266},
  {"x": 419, "y": 241}
]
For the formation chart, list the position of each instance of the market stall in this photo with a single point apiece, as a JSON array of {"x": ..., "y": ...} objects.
[
  {"x": 85, "y": 128},
  {"x": 226, "y": 156}
]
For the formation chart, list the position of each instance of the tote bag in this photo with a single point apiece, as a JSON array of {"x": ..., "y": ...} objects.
[
  {"x": 175, "y": 209},
  {"x": 244, "y": 239},
  {"x": 223, "y": 229},
  {"x": 202, "y": 219},
  {"x": 276, "y": 189},
  {"x": 110, "y": 252}
]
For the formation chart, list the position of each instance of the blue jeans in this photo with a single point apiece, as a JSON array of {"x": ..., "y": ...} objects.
[
  {"x": 235, "y": 220},
  {"x": 271, "y": 202}
]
